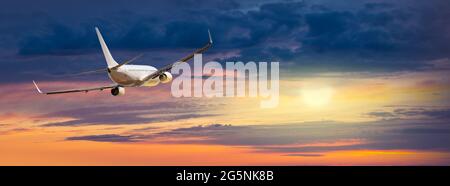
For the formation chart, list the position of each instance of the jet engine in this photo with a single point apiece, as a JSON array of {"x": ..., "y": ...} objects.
[
  {"x": 118, "y": 91},
  {"x": 166, "y": 77}
]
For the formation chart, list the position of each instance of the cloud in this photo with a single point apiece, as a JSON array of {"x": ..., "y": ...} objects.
[
  {"x": 426, "y": 131},
  {"x": 373, "y": 27},
  {"x": 262, "y": 135},
  {"x": 145, "y": 129},
  {"x": 123, "y": 115},
  {"x": 14, "y": 130},
  {"x": 304, "y": 139},
  {"x": 316, "y": 36},
  {"x": 322, "y": 136},
  {"x": 305, "y": 155},
  {"x": 436, "y": 114},
  {"x": 59, "y": 40},
  {"x": 381, "y": 114},
  {"x": 124, "y": 119}
]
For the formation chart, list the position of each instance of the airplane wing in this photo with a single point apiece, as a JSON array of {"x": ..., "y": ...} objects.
[
  {"x": 182, "y": 60},
  {"x": 73, "y": 90}
]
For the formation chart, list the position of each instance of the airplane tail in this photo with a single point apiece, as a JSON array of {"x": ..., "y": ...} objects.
[{"x": 109, "y": 59}]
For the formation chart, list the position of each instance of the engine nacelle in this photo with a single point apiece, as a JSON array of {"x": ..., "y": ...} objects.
[
  {"x": 166, "y": 77},
  {"x": 118, "y": 91}
]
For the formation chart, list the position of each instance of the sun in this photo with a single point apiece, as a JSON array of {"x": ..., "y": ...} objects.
[{"x": 317, "y": 96}]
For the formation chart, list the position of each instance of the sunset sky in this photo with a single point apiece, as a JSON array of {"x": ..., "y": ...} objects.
[{"x": 362, "y": 82}]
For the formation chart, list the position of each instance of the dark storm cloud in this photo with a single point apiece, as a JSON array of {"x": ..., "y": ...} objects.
[
  {"x": 59, "y": 39},
  {"x": 124, "y": 114},
  {"x": 373, "y": 27},
  {"x": 300, "y": 138}
]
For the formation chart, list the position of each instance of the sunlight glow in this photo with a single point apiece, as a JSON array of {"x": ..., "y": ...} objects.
[{"x": 317, "y": 96}]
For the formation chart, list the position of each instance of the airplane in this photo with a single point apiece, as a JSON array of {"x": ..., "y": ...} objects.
[{"x": 125, "y": 75}]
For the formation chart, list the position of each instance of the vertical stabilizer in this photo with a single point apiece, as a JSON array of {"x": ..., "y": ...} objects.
[{"x": 109, "y": 59}]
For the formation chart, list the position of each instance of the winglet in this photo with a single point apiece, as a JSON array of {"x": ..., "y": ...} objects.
[
  {"x": 37, "y": 88},
  {"x": 210, "y": 38}
]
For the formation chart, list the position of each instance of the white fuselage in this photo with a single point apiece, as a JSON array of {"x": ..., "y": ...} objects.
[{"x": 133, "y": 75}]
